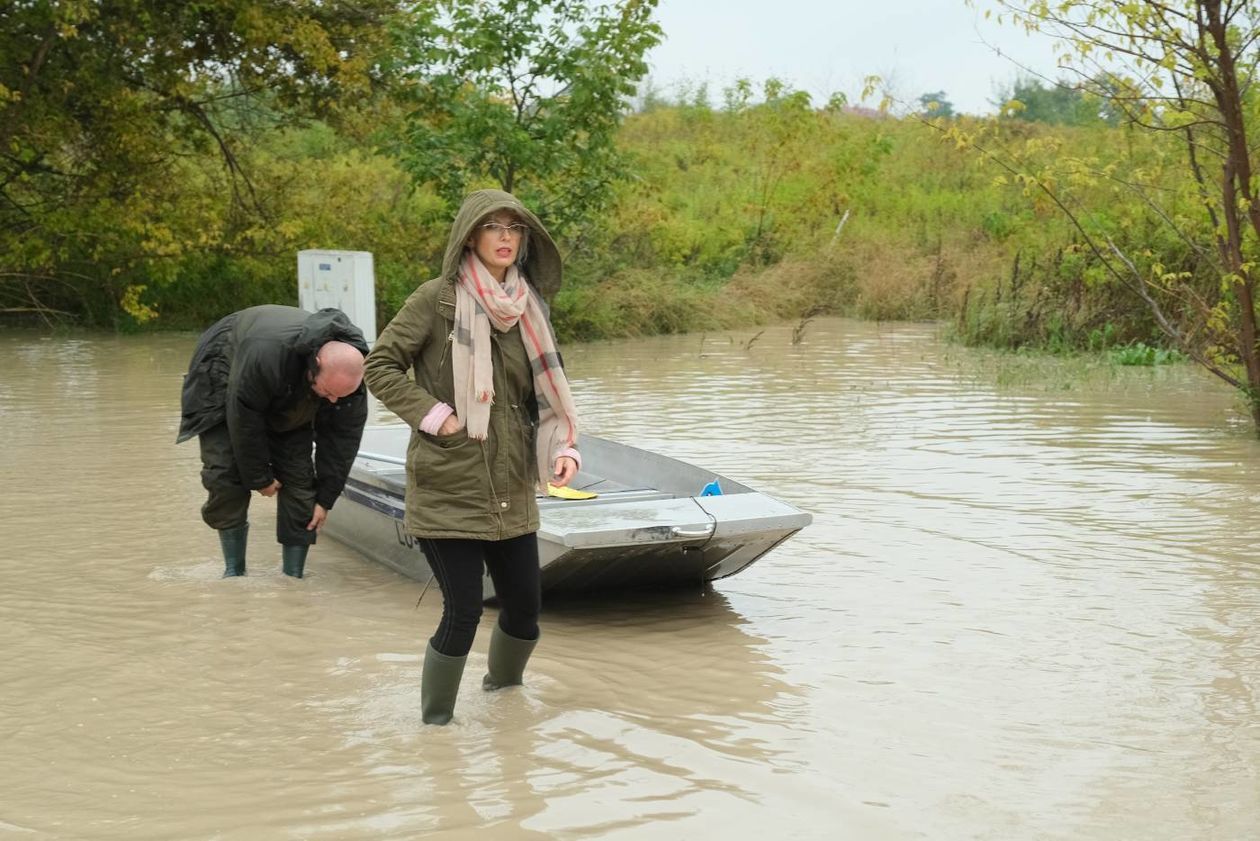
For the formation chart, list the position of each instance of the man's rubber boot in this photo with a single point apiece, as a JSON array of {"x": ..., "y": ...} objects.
[
  {"x": 293, "y": 559},
  {"x": 508, "y": 656},
  {"x": 232, "y": 542},
  {"x": 439, "y": 685}
]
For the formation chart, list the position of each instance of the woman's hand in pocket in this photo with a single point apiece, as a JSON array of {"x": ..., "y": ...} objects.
[{"x": 449, "y": 426}]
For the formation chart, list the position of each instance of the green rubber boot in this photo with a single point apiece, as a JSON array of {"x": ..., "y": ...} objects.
[
  {"x": 439, "y": 685},
  {"x": 508, "y": 656},
  {"x": 232, "y": 542},
  {"x": 293, "y": 559}
]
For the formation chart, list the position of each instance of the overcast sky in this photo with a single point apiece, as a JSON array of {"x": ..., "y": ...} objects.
[{"x": 822, "y": 46}]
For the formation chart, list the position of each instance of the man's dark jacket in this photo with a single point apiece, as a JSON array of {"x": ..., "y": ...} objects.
[{"x": 250, "y": 370}]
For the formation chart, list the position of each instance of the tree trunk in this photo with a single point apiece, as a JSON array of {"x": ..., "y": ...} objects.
[{"x": 1237, "y": 185}]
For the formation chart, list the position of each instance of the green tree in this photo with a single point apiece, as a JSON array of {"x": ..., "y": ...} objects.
[
  {"x": 1180, "y": 68},
  {"x": 935, "y": 104},
  {"x": 1061, "y": 103},
  {"x": 775, "y": 133},
  {"x": 526, "y": 95},
  {"x": 103, "y": 103}
]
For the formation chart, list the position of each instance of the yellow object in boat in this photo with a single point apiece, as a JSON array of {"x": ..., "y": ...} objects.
[{"x": 568, "y": 493}]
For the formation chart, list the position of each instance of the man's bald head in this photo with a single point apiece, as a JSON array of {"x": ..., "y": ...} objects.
[{"x": 340, "y": 367}]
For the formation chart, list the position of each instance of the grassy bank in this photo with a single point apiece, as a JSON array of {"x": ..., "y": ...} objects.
[{"x": 734, "y": 217}]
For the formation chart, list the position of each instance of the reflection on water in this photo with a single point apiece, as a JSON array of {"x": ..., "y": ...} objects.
[{"x": 1024, "y": 611}]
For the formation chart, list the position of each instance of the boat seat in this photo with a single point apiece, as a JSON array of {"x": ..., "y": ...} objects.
[
  {"x": 612, "y": 491},
  {"x": 623, "y": 495},
  {"x": 608, "y": 490}
]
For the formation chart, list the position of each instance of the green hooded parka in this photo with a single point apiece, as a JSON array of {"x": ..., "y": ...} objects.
[{"x": 458, "y": 487}]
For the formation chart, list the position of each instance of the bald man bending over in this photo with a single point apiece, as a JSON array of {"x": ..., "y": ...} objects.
[{"x": 265, "y": 385}]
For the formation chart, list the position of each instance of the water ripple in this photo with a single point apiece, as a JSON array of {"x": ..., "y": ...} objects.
[{"x": 1025, "y": 609}]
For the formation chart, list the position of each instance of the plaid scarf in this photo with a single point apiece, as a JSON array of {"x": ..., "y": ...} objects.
[{"x": 482, "y": 302}]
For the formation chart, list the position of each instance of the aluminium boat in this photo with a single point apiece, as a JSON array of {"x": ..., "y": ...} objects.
[{"x": 653, "y": 521}]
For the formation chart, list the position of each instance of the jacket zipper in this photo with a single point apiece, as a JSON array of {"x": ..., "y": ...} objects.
[{"x": 446, "y": 347}]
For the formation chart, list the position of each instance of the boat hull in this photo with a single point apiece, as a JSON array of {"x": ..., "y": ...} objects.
[{"x": 631, "y": 537}]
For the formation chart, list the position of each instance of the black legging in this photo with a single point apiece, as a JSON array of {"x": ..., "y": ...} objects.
[{"x": 457, "y": 566}]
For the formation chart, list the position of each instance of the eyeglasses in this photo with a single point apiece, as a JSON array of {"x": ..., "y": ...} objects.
[{"x": 512, "y": 231}]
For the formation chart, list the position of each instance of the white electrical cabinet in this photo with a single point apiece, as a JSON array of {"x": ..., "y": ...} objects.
[{"x": 342, "y": 279}]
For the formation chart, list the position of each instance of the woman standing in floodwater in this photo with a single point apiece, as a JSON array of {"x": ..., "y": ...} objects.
[{"x": 490, "y": 413}]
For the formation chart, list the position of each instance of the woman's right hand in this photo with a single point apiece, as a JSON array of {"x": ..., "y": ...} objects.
[{"x": 449, "y": 426}]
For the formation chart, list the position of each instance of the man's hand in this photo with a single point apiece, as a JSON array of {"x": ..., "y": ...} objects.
[
  {"x": 317, "y": 522},
  {"x": 271, "y": 489},
  {"x": 564, "y": 471},
  {"x": 450, "y": 426}
]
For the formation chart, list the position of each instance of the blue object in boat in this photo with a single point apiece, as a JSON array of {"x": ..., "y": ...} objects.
[{"x": 711, "y": 489}]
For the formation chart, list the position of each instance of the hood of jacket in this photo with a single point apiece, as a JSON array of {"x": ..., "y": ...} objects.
[
  {"x": 542, "y": 258},
  {"x": 327, "y": 325}
]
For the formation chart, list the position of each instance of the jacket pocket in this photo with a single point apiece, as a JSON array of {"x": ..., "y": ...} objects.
[
  {"x": 449, "y": 442},
  {"x": 449, "y": 465}
]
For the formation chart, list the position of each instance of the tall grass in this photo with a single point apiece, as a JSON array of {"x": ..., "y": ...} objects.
[{"x": 733, "y": 218}]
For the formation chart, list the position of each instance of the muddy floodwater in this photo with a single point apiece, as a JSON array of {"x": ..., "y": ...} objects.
[{"x": 1028, "y": 608}]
